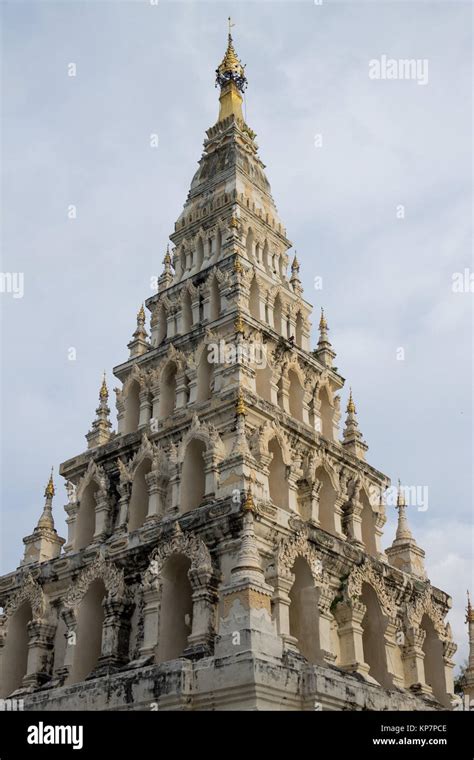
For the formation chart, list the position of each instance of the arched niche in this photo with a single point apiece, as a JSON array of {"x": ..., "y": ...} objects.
[
  {"x": 299, "y": 330},
  {"x": 327, "y": 500},
  {"x": 132, "y": 407},
  {"x": 85, "y": 520},
  {"x": 176, "y": 609},
  {"x": 90, "y": 620},
  {"x": 263, "y": 379},
  {"x": 373, "y": 637},
  {"x": 277, "y": 315},
  {"x": 204, "y": 377},
  {"x": 138, "y": 506},
  {"x": 199, "y": 253},
  {"x": 327, "y": 412},
  {"x": 218, "y": 243},
  {"x": 278, "y": 485},
  {"x": 187, "y": 311},
  {"x": 15, "y": 651},
  {"x": 215, "y": 304},
  {"x": 254, "y": 299},
  {"x": 249, "y": 244},
  {"x": 162, "y": 331},
  {"x": 433, "y": 662},
  {"x": 296, "y": 396},
  {"x": 168, "y": 391},
  {"x": 368, "y": 524},
  {"x": 266, "y": 258},
  {"x": 193, "y": 476},
  {"x": 303, "y": 612}
]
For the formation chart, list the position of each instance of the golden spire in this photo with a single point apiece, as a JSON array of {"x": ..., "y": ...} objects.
[
  {"x": 49, "y": 491},
  {"x": 350, "y": 404},
  {"x": 323, "y": 325},
  {"x": 231, "y": 69},
  {"x": 167, "y": 259},
  {"x": 240, "y": 405},
  {"x": 469, "y": 610},
  {"x": 141, "y": 314},
  {"x": 230, "y": 76},
  {"x": 104, "y": 393}
]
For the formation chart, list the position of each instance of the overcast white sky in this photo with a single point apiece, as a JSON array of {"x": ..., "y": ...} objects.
[{"x": 387, "y": 282}]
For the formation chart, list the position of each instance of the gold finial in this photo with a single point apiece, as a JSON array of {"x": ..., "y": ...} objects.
[
  {"x": 49, "y": 491},
  {"x": 231, "y": 69},
  {"x": 238, "y": 324},
  {"x": 249, "y": 504},
  {"x": 323, "y": 325},
  {"x": 104, "y": 393},
  {"x": 350, "y": 404},
  {"x": 141, "y": 314},
  {"x": 469, "y": 610},
  {"x": 296, "y": 264},
  {"x": 240, "y": 405},
  {"x": 167, "y": 259}
]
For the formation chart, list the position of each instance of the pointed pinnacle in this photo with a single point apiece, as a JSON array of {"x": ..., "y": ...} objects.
[
  {"x": 350, "y": 404},
  {"x": 323, "y": 325},
  {"x": 50, "y": 491},
  {"x": 103, "y": 393}
]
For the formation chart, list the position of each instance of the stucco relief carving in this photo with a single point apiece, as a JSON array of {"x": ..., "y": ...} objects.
[
  {"x": 203, "y": 432},
  {"x": 29, "y": 591},
  {"x": 95, "y": 473},
  {"x": 298, "y": 545},
  {"x": 425, "y": 604},
  {"x": 366, "y": 573},
  {"x": 187, "y": 544},
  {"x": 107, "y": 571}
]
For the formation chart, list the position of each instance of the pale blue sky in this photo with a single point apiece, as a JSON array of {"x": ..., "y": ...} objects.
[{"x": 145, "y": 69}]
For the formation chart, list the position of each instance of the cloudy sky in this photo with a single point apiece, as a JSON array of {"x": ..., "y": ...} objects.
[{"x": 381, "y": 210}]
